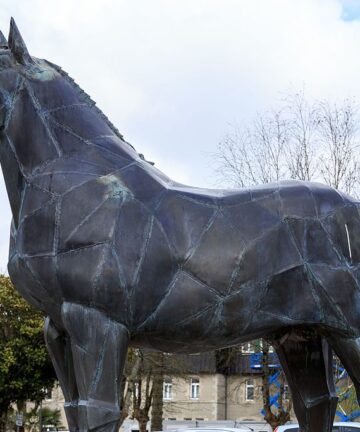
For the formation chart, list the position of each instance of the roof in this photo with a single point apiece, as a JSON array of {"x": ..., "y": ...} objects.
[{"x": 236, "y": 364}]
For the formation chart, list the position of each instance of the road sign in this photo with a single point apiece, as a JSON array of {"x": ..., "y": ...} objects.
[{"x": 19, "y": 419}]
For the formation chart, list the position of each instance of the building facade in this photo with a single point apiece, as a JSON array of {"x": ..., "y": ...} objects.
[{"x": 209, "y": 391}]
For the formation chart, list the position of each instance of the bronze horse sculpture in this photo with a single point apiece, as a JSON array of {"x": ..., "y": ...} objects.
[{"x": 117, "y": 254}]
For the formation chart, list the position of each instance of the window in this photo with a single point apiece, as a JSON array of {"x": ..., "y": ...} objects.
[
  {"x": 137, "y": 430},
  {"x": 194, "y": 388},
  {"x": 257, "y": 345},
  {"x": 247, "y": 348},
  {"x": 249, "y": 390},
  {"x": 48, "y": 394},
  {"x": 167, "y": 389},
  {"x": 286, "y": 392}
]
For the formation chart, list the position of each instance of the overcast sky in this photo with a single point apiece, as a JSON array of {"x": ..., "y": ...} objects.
[{"x": 173, "y": 74}]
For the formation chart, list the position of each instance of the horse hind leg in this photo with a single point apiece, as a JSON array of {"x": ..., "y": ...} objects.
[
  {"x": 58, "y": 345},
  {"x": 99, "y": 346},
  {"x": 348, "y": 351},
  {"x": 307, "y": 363}
]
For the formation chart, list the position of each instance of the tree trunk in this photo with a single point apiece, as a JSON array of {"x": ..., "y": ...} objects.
[
  {"x": 3, "y": 421},
  {"x": 266, "y": 384},
  {"x": 125, "y": 408},
  {"x": 282, "y": 416},
  {"x": 143, "y": 420},
  {"x": 157, "y": 388},
  {"x": 21, "y": 406}
]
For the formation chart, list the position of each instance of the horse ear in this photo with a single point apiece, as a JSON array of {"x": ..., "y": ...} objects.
[
  {"x": 3, "y": 41},
  {"x": 17, "y": 45}
]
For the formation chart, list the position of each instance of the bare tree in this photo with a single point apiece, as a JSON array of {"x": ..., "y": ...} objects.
[
  {"x": 158, "y": 385},
  {"x": 279, "y": 415},
  {"x": 143, "y": 392},
  {"x": 301, "y": 140},
  {"x": 300, "y": 153},
  {"x": 273, "y": 133},
  {"x": 142, "y": 388},
  {"x": 338, "y": 136},
  {"x": 241, "y": 155},
  {"x": 132, "y": 370}
]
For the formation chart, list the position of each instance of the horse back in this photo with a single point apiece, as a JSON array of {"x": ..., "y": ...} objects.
[{"x": 270, "y": 257}]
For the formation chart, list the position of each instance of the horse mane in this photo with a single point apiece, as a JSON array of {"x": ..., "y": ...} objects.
[{"x": 88, "y": 100}]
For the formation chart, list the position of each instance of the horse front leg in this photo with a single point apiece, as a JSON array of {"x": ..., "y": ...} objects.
[
  {"x": 99, "y": 346},
  {"x": 58, "y": 345},
  {"x": 308, "y": 368}
]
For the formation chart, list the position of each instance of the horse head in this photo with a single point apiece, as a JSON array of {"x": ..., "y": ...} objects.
[{"x": 17, "y": 66}]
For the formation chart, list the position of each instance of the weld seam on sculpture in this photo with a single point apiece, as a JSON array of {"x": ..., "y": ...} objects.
[
  {"x": 90, "y": 100},
  {"x": 43, "y": 118},
  {"x": 52, "y": 110},
  {"x": 336, "y": 250},
  {"x": 218, "y": 294},
  {"x": 162, "y": 301},
  {"x": 348, "y": 239}
]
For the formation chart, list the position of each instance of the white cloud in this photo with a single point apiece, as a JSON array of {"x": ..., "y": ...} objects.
[{"x": 171, "y": 74}]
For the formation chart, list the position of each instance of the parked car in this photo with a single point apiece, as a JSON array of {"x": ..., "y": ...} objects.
[
  {"x": 219, "y": 429},
  {"x": 338, "y": 427}
]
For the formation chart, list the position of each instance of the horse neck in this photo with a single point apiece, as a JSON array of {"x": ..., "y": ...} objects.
[
  {"x": 51, "y": 119},
  {"x": 123, "y": 148},
  {"x": 37, "y": 133}
]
